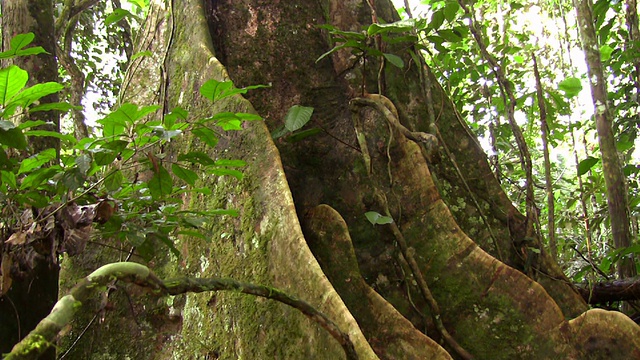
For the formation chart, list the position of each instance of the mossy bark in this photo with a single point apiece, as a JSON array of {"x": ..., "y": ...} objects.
[{"x": 493, "y": 310}]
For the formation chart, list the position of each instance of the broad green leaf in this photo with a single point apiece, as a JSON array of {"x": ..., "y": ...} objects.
[
  {"x": 230, "y": 212},
  {"x": 29, "y": 95},
  {"x": 39, "y": 176},
  {"x": 395, "y": 60},
  {"x": 141, "y": 54},
  {"x": 35, "y": 161},
  {"x": 518, "y": 59},
  {"x": 33, "y": 198},
  {"x": 72, "y": 179},
  {"x": 116, "y": 15},
  {"x": 12, "y": 80},
  {"x": 377, "y": 219},
  {"x": 9, "y": 178},
  {"x": 21, "y": 40},
  {"x": 222, "y": 172},
  {"x": 570, "y": 86},
  {"x": 196, "y": 157},
  {"x": 248, "y": 116},
  {"x": 395, "y": 27},
  {"x": 187, "y": 175},
  {"x": 60, "y": 106},
  {"x": 65, "y": 137},
  {"x": 17, "y": 44},
  {"x": 160, "y": 183},
  {"x": 207, "y": 136},
  {"x": 230, "y": 124},
  {"x": 279, "y": 132},
  {"x": 13, "y": 138},
  {"x": 450, "y": 35},
  {"x": 215, "y": 90},
  {"x": 586, "y": 165},
  {"x": 436, "y": 20},
  {"x": 113, "y": 181},
  {"x": 451, "y": 10},
  {"x": 104, "y": 156},
  {"x": 297, "y": 117},
  {"x": 33, "y": 123},
  {"x": 83, "y": 162},
  {"x": 605, "y": 52},
  {"x": 171, "y": 118},
  {"x": 230, "y": 163}
]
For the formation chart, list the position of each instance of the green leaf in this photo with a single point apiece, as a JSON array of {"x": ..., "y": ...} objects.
[
  {"x": 160, "y": 183},
  {"x": 586, "y": 165},
  {"x": 39, "y": 176},
  {"x": 570, "y": 86},
  {"x": 13, "y": 138},
  {"x": 451, "y": 10},
  {"x": 297, "y": 117},
  {"x": 231, "y": 163},
  {"x": 33, "y": 198},
  {"x": 35, "y": 161},
  {"x": 215, "y": 90},
  {"x": 12, "y": 80},
  {"x": 518, "y": 59},
  {"x": 17, "y": 44},
  {"x": 207, "y": 136},
  {"x": 9, "y": 178},
  {"x": 230, "y": 124},
  {"x": 60, "y": 106},
  {"x": 187, "y": 175},
  {"x": 395, "y": 60},
  {"x": 29, "y": 95},
  {"x": 196, "y": 157},
  {"x": 171, "y": 118},
  {"x": 21, "y": 40},
  {"x": 141, "y": 54},
  {"x": 605, "y": 52},
  {"x": 222, "y": 172},
  {"x": 436, "y": 20},
  {"x": 83, "y": 162},
  {"x": 377, "y": 219},
  {"x": 116, "y": 15},
  {"x": 394, "y": 27},
  {"x": 64, "y": 137},
  {"x": 450, "y": 35},
  {"x": 114, "y": 181},
  {"x": 127, "y": 114}
]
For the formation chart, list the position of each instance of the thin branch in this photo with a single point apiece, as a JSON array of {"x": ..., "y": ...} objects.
[{"x": 43, "y": 336}]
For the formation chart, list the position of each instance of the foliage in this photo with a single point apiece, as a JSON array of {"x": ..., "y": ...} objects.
[
  {"x": 137, "y": 187},
  {"x": 515, "y": 31}
]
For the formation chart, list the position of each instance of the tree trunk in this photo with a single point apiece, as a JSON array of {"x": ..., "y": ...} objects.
[
  {"x": 360, "y": 279},
  {"x": 30, "y": 299},
  {"x": 614, "y": 178}
]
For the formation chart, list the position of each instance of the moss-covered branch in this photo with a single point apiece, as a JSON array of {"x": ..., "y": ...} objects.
[{"x": 43, "y": 336}]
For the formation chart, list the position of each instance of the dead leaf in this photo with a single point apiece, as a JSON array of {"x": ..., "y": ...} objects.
[{"x": 17, "y": 238}]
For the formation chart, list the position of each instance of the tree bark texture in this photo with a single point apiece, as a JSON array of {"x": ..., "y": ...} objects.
[
  {"x": 355, "y": 274},
  {"x": 614, "y": 178}
]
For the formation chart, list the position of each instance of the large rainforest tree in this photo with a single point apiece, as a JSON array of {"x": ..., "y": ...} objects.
[{"x": 384, "y": 214}]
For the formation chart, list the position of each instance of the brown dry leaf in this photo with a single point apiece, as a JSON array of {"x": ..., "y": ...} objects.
[{"x": 17, "y": 238}]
